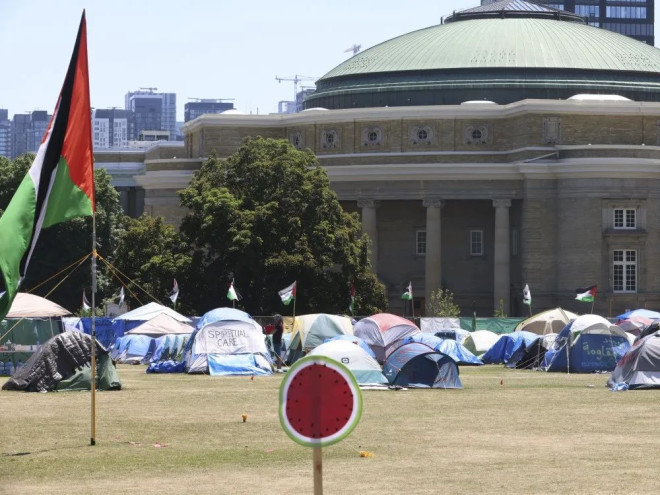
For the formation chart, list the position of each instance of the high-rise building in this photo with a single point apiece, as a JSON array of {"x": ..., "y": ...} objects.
[
  {"x": 5, "y": 133},
  {"x": 110, "y": 128},
  {"x": 151, "y": 111},
  {"x": 634, "y": 18},
  {"x": 27, "y": 130},
  {"x": 194, "y": 109}
]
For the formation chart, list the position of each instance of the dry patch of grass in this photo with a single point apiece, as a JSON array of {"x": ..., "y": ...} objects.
[{"x": 508, "y": 431}]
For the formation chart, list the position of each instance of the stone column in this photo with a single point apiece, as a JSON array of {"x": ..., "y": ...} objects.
[
  {"x": 370, "y": 227},
  {"x": 502, "y": 256},
  {"x": 433, "y": 264}
]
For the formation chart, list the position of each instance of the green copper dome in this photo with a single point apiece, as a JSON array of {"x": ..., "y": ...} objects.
[{"x": 476, "y": 55}]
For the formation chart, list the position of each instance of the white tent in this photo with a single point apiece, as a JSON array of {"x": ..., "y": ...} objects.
[
  {"x": 365, "y": 368},
  {"x": 151, "y": 310},
  {"x": 163, "y": 324},
  {"x": 551, "y": 321},
  {"x": 480, "y": 341},
  {"x": 30, "y": 306}
]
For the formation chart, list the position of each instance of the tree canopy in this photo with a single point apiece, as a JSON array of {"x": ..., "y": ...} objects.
[{"x": 266, "y": 217}]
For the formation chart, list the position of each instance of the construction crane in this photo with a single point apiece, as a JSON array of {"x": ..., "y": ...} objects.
[
  {"x": 354, "y": 49},
  {"x": 295, "y": 79}
]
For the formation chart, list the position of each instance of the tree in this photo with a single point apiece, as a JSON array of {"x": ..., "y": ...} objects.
[
  {"x": 63, "y": 244},
  {"x": 266, "y": 216},
  {"x": 151, "y": 254},
  {"x": 441, "y": 303}
]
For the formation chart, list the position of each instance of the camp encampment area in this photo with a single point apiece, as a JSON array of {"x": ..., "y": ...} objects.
[{"x": 506, "y": 431}]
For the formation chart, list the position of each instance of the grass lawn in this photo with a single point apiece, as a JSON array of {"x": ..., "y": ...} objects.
[{"x": 508, "y": 431}]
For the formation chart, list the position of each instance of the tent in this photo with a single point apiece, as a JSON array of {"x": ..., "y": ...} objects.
[
  {"x": 168, "y": 347},
  {"x": 103, "y": 327},
  {"x": 587, "y": 344},
  {"x": 364, "y": 367},
  {"x": 436, "y": 324},
  {"x": 227, "y": 341},
  {"x": 530, "y": 355},
  {"x": 480, "y": 341},
  {"x": 382, "y": 330},
  {"x": 640, "y": 366},
  {"x": 551, "y": 321},
  {"x": 634, "y": 325},
  {"x": 133, "y": 349},
  {"x": 163, "y": 324},
  {"x": 646, "y": 313},
  {"x": 450, "y": 347},
  {"x": 416, "y": 365},
  {"x": 63, "y": 363},
  {"x": 457, "y": 334},
  {"x": 30, "y": 306},
  {"x": 508, "y": 344},
  {"x": 354, "y": 340},
  {"x": 312, "y": 330}
]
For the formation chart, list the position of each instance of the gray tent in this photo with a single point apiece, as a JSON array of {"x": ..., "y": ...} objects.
[{"x": 640, "y": 366}]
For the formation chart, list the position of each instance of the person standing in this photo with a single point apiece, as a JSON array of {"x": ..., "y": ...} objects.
[{"x": 278, "y": 322}]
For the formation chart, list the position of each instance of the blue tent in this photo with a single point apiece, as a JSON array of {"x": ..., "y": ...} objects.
[
  {"x": 417, "y": 365},
  {"x": 507, "y": 345},
  {"x": 450, "y": 347},
  {"x": 586, "y": 345},
  {"x": 530, "y": 356},
  {"x": 646, "y": 313},
  {"x": 133, "y": 349},
  {"x": 356, "y": 340},
  {"x": 168, "y": 347},
  {"x": 103, "y": 327}
]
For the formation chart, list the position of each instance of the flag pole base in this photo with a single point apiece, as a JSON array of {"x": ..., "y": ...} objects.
[{"x": 92, "y": 442}]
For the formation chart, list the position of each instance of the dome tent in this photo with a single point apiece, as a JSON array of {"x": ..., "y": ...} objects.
[
  {"x": 365, "y": 368},
  {"x": 312, "y": 330},
  {"x": 227, "y": 341},
  {"x": 639, "y": 368},
  {"x": 382, "y": 330},
  {"x": 416, "y": 365},
  {"x": 450, "y": 347}
]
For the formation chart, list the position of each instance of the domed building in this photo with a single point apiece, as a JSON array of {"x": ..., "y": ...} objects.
[{"x": 511, "y": 145}]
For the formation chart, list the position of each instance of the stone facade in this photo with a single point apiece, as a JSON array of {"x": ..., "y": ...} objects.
[{"x": 533, "y": 183}]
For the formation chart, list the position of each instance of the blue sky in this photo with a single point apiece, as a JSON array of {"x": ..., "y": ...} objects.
[{"x": 196, "y": 49}]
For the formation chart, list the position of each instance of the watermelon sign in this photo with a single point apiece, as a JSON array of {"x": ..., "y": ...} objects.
[{"x": 320, "y": 402}]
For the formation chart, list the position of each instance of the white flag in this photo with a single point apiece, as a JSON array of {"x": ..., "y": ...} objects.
[
  {"x": 85, "y": 303},
  {"x": 175, "y": 292},
  {"x": 527, "y": 296},
  {"x": 121, "y": 296}
]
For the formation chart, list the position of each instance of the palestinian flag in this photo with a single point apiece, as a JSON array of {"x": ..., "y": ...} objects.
[
  {"x": 232, "y": 294},
  {"x": 408, "y": 295},
  {"x": 85, "y": 303},
  {"x": 527, "y": 296},
  {"x": 174, "y": 294},
  {"x": 288, "y": 294},
  {"x": 586, "y": 295},
  {"x": 60, "y": 183}
]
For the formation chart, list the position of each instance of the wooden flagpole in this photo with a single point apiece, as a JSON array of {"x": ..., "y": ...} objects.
[
  {"x": 93, "y": 363},
  {"x": 317, "y": 458}
]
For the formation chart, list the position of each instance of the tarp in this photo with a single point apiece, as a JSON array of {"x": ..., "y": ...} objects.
[
  {"x": 550, "y": 321},
  {"x": 587, "y": 344},
  {"x": 104, "y": 328},
  {"x": 30, "y": 306},
  {"x": 364, "y": 367},
  {"x": 382, "y": 330},
  {"x": 480, "y": 341},
  {"x": 163, "y": 324},
  {"x": 493, "y": 324},
  {"x": 640, "y": 367},
  {"x": 450, "y": 347},
  {"x": 168, "y": 347},
  {"x": 151, "y": 310},
  {"x": 416, "y": 365},
  {"x": 58, "y": 359},
  {"x": 238, "y": 364},
  {"x": 508, "y": 344}
]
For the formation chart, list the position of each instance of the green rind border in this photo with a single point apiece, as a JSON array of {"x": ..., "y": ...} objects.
[{"x": 352, "y": 383}]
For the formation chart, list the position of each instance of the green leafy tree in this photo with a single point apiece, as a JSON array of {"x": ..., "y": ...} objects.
[
  {"x": 63, "y": 244},
  {"x": 266, "y": 216},
  {"x": 151, "y": 254},
  {"x": 441, "y": 303}
]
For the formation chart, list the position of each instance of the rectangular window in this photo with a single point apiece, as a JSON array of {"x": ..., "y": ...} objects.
[
  {"x": 476, "y": 243},
  {"x": 625, "y": 218},
  {"x": 420, "y": 242},
  {"x": 624, "y": 270}
]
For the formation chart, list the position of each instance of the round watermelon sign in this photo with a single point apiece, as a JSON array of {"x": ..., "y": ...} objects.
[{"x": 320, "y": 401}]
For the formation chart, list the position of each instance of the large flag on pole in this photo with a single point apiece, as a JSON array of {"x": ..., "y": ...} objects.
[
  {"x": 122, "y": 296},
  {"x": 586, "y": 295},
  {"x": 174, "y": 295},
  {"x": 527, "y": 296},
  {"x": 288, "y": 294},
  {"x": 408, "y": 294},
  {"x": 60, "y": 183}
]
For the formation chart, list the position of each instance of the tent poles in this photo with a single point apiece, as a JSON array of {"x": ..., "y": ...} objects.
[{"x": 93, "y": 364}]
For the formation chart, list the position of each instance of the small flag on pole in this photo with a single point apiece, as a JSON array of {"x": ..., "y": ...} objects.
[
  {"x": 288, "y": 294},
  {"x": 121, "y": 296},
  {"x": 232, "y": 293},
  {"x": 586, "y": 295},
  {"x": 174, "y": 294},
  {"x": 351, "y": 305},
  {"x": 85, "y": 303},
  {"x": 408, "y": 294},
  {"x": 527, "y": 296}
]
